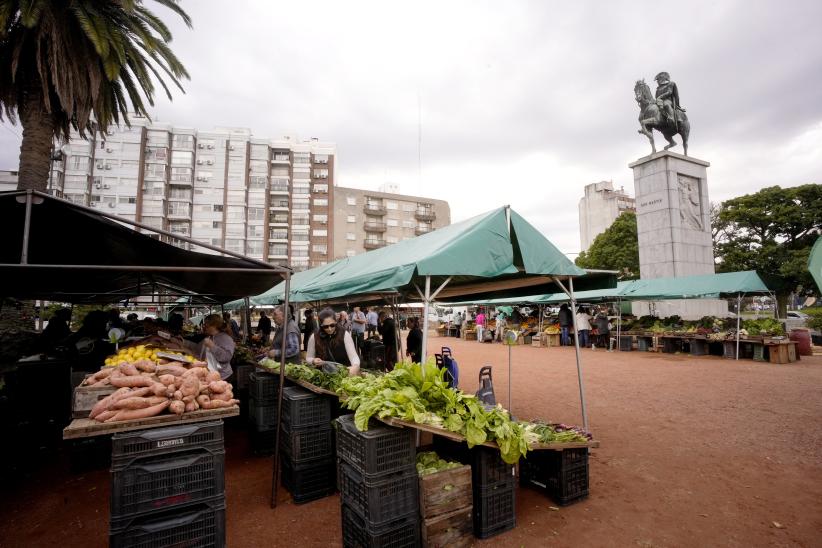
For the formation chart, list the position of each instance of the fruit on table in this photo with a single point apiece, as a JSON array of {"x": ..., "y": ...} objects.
[{"x": 143, "y": 352}]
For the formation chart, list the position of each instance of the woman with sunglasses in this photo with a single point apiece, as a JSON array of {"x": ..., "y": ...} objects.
[{"x": 332, "y": 344}]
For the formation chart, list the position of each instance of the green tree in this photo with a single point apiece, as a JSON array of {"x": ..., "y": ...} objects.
[
  {"x": 615, "y": 249},
  {"x": 78, "y": 64},
  {"x": 772, "y": 232}
]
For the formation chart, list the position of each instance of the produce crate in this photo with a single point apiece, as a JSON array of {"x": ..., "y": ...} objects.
[
  {"x": 307, "y": 444},
  {"x": 303, "y": 408},
  {"x": 445, "y": 491},
  {"x": 551, "y": 339},
  {"x": 242, "y": 376},
  {"x": 263, "y": 387},
  {"x": 562, "y": 475},
  {"x": 262, "y": 417},
  {"x": 626, "y": 343},
  {"x": 378, "y": 451},
  {"x": 452, "y": 530},
  {"x": 644, "y": 344},
  {"x": 401, "y": 533},
  {"x": 536, "y": 341},
  {"x": 729, "y": 349},
  {"x": 494, "y": 510},
  {"x": 699, "y": 347},
  {"x": 489, "y": 470},
  {"x": 165, "y": 481},
  {"x": 86, "y": 397},
  {"x": 199, "y": 524},
  {"x": 127, "y": 446},
  {"x": 87, "y": 454},
  {"x": 309, "y": 481},
  {"x": 262, "y": 441},
  {"x": 380, "y": 501}
]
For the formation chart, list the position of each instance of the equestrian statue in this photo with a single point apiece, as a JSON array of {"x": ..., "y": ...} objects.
[{"x": 662, "y": 112}]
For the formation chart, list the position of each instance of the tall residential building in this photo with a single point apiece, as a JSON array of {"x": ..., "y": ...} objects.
[
  {"x": 8, "y": 180},
  {"x": 269, "y": 199},
  {"x": 364, "y": 220},
  {"x": 598, "y": 209}
]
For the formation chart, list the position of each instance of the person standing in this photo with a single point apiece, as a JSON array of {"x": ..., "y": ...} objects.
[
  {"x": 413, "y": 343},
  {"x": 309, "y": 327},
  {"x": 603, "y": 329},
  {"x": 583, "y": 326},
  {"x": 500, "y": 331},
  {"x": 233, "y": 326},
  {"x": 343, "y": 321},
  {"x": 358, "y": 322},
  {"x": 373, "y": 320},
  {"x": 332, "y": 344},
  {"x": 458, "y": 323},
  {"x": 57, "y": 329},
  {"x": 291, "y": 332},
  {"x": 566, "y": 321},
  {"x": 264, "y": 327},
  {"x": 218, "y": 342},
  {"x": 388, "y": 332},
  {"x": 480, "y": 325}
]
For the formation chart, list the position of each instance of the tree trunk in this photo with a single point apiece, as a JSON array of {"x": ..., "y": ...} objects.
[
  {"x": 782, "y": 305},
  {"x": 38, "y": 136}
]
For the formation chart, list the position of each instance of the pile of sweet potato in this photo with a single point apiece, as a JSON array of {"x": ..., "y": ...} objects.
[{"x": 145, "y": 390}]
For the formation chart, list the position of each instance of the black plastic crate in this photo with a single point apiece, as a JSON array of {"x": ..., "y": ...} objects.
[
  {"x": 309, "y": 481},
  {"x": 401, "y": 533},
  {"x": 262, "y": 441},
  {"x": 127, "y": 446},
  {"x": 303, "y": 408},
  {"x": 263, "y": 417},
  {"x": 263, "y": 387},
  {"x": 489, "y": 470},
  {"x": 89, "y": 454},
  {"x": 200, "y": 525},
  {"x": 378, "y": 451},
  {"x": 242, "y": 374},
  {"x": 379, "y": 501},
  {"x": 494, "y": 510},
  {"x": 307, "y": 444},
  {"x": 562, "y": 475},
  {"x": 166, "y": 481}
]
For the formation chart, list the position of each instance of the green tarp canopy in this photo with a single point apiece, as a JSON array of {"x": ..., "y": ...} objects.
[
  {"x": 703, "y": 286},
  {"x": 815, "y": 263}
]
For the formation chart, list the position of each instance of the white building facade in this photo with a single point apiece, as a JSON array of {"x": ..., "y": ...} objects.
[{"x": 598, "y": 209}]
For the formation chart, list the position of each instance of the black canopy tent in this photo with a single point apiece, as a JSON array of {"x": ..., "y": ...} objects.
[{"x": 56, "y": 250}]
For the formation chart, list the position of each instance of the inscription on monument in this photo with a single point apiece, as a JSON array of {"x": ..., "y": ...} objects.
[
  {"x": 690, "y": 207},
  {"x": 652, "y": 202}
]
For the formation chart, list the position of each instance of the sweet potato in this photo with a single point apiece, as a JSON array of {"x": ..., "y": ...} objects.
[
  {"x": 177, "y": 407},
  {"x": 197, "y": 363},
  {"x": 190, "y": 386},
  {"x": 175, "y": 370},
  {"x": 202, "y": 399},
  {"x": 106, "y": 402},
  {"x": 218, "y": 387},
  {"x": 160, "y": 389},
  {"x": 105, "y": 415},
  {"x": 224, "y": 396},
  {"x": 132, "y": 403},
  {"x": 216, "y": 404},
  {"x": 178, "y": 395},
  {"x": 192, "y": 406},
  {"x": 199, "y": 372},
  {"x": 129, "y": 369},
  {"x": 212, "y": 376},
  {"x": 146, "y": 366},
  {"x": 135, "y": 414},
  {"x": 167, "y": 379},
  {"x": 188, "y": 399},
  {"x": 132, "y": 382}
]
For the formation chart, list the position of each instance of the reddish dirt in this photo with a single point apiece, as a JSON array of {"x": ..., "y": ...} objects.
[{"x": 695, "y": 451}]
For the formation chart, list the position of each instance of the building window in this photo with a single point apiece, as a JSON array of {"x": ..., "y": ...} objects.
[
  {"x": 182, "y": 158},
  {"x": 407, "y": 206},
  {"x": 300, "y": 203},
  {"x": 409, "y": 224},
  {"x": 392, "y": 222},
  {"x": 351, "y": 237},
  {"x": 320, "y": 218},
  {"x": 321, "y": 202},
  {"x": 391, "y": 205},
  {"x": 319, "y": 232},
  {"x": 217, "y": 224},
  {"x": 299, "y": 252},
  {"x": 256, "y": 213},
  {"x": 235, "y": 213},
  {"x": 320, "y": 248},
  {"x": 234, "y": 244},
  {"x": 301, "y": 188},
  {"x": 184, "y": 142},
  {"x": 181, "y": 174},
  {"x": 278, "y": 249},
  {"x": 157, "y": 171},
  {"x": 351, "y": 218},
  {"x": 218, "y": 209},
  {"x": 351, "y": 200},
  {"x": 350, "y": 252},
  {"x": 302, "y": 157},
  {"x": 128, "y": 200},
  {"x": 299, "y": 218},
  {"x": 79, "y": 162},
  {"x": 278, "y": 234},
  {"x": 321, "y": 158},
  {"x": 321, "y": 174},
  {"x": 321, "y": 188},
  {"x": 299, "y": 236},
  {"x": 254, "y": 247},
  {"x": 256, "y": 183},
  {"x": 254, "y": 231}
]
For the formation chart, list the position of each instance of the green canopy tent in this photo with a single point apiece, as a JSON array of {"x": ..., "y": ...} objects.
[{"x": 815, "y": 263}]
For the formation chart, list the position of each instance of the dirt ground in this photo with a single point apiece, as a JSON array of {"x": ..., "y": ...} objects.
[{"x": 695, "y": 452}]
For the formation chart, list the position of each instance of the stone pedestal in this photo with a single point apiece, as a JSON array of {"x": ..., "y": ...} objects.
[{"x": 674, "y": 228}]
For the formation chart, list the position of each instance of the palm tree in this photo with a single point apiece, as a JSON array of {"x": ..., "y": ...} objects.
[{"x": 78, "y": 64}]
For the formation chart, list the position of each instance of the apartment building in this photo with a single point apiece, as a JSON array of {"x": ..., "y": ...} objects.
[
  {"x": 8, "y": 180},
  {"x": 269, "y": 199},
  {"x": 598, "y": 209},
  {"x": 364, "y": 220}
]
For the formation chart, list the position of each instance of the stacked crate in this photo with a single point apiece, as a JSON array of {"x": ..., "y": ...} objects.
[
  {"x": 379, "y": 488},
  {"x": 168, "y": 487},
  {"x": 307, "y": 445},
  {"x": 446, "y": 508},
  {"x": 240, "y": 382},
  {"x": 562, "y": 475},
  {"x": 263, "y": 389}
]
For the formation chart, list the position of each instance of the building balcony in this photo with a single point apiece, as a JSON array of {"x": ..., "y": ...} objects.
[
  {"x": 374, "y": 209},
  {"x": 373, "y": 244},
  {"x": 371, "y": 226},
  {"x": 420, "y": 230},
  {"x": 281, "y": 159},
  {"x": 425, "y": 215},
  {"x": 178, "y": 216}
]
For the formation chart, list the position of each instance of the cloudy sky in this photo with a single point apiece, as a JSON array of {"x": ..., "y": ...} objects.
[{"x": 520, "y": 103}]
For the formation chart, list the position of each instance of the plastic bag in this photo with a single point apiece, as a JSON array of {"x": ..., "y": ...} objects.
[{"x": 213, "y": 364}]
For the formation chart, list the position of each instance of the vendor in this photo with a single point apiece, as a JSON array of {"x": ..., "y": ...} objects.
[
  {"x": 218, "y": 342},
  {"x": 292, "y": 337},
  {"x": 57, "y": 329},
  {"x": 332, "y": 344}
]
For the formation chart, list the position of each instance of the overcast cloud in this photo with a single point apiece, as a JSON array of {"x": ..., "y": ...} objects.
[{"x": 521, "y": 103}]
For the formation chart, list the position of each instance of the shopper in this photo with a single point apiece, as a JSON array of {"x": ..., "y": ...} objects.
[
  {"x": 292, "y": 337},
  {"x": 218, "y": 342},
  {"x": 358, "y": 323},
  {"x": 343, "y": 321},
  {"x": 458, "y": 324},
  {"x": 57, "y": 330},
  {"x": 309, "y": 327},
  {"x": 583, "y": 326},
  {"x": 501, "y": 323},
  {"x": 413, "y": 343},
  {"x": 233, "y": 326},
  {"x": 388, "y": 332},
  {"x": 332, "y": 344},
  {"x": 480, "y": 325},
  {"x": 264, "y": 327},
  {"x": 373, "y": 319},
  {"x": 603, "y": 329},
  {"x": 566, "y": 321}
]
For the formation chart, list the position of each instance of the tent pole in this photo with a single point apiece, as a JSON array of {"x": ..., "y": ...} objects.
[
  {"x": 427, "y": 304},
  {"x": 24, "y": 255},
  {"x": 738, "y": 320},
  {"x": 284, "y": 327},
  {"x": 619, "y": 324},
  {"x": 247, "y": 320},
  {"x": 570, "y": 293}
]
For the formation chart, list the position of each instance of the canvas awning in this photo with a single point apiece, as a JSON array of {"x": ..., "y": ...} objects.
[
  {"x": 815, "y": 263},
  {"x": 69, "y": 253},
  {"x": 704, "y": 286}
]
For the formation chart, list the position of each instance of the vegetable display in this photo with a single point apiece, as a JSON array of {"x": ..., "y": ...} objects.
[
  {"x": 146, "y": 352},
  {"x": 428, "y": 462},
  {"x": 540, "y": 432},
  {"x": 308, "y": 374}
]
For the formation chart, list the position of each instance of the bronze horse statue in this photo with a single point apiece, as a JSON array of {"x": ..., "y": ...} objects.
[{"x": 652, "y": 118}]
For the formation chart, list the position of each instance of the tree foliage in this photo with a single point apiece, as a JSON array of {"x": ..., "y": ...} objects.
[
  {"x": 72, "y": 63},
  {"x": 772, "y": 232},
  {"x": 615, "y": 249}
]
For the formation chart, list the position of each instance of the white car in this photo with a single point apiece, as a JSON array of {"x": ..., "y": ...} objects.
[{"x": 796, "y": 319}]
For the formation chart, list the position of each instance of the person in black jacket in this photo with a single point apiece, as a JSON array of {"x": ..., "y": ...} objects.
[
  {"x": 566, "y": 322},
  {"x": 388, "y": 331},
  {"x": 264, "y": 327},
  {"x": 413, "y": 343},
  {"x": 309, "y": 327}
]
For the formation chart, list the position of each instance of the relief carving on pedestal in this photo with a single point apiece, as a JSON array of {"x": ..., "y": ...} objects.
[{"x": 690, "y": 210}]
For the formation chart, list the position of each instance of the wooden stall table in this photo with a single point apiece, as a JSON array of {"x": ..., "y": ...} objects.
[
  {"x": 671, "y": 344},
  {"x": 782, "y": 352},
  {"x": 86, "y": 428},
  {"x": 699, "y": 346},
  {"x": 645, "y": 343}
]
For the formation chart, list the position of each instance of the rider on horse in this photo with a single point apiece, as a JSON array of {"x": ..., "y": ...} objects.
[{"x": 667, "y": 97}]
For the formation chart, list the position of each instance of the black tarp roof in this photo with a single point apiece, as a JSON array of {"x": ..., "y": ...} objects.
[{"x": 77, "y": 254}]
